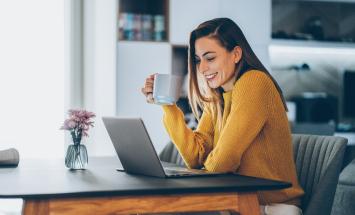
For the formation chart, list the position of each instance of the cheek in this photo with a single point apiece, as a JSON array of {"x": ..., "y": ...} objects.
[{"x": 228, "y": 68}]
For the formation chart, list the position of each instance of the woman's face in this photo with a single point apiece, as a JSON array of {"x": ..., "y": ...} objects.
[{"x": 215, "y": 63}]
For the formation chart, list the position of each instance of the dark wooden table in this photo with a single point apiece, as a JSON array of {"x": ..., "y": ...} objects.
[{"x": 47, "y": 187}]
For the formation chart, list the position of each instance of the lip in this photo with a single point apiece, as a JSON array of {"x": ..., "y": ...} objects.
[{"x": 210, "y": 76}]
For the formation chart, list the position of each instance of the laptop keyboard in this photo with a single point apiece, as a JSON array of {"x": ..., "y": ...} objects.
[
  {"x": 182, "y": 171},
  {"x": 176, "y": 172}
]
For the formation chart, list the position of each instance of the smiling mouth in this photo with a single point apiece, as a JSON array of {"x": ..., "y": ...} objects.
[{"x": 211, "y": 76}]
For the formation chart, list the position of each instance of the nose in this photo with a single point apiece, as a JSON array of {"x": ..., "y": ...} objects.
[{"x": 203, "y": 66}]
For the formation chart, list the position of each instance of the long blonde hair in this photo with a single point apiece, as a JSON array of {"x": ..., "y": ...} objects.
[{"x": 229, "y": 35}]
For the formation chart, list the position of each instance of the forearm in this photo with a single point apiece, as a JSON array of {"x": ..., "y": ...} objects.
[{"x": 193, "y": 146}]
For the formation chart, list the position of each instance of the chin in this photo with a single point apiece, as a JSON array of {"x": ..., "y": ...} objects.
[{"x": 213, "y": 86}]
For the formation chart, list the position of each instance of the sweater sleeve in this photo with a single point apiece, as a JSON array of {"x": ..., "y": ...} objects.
[
  {"x": 194, "y": 146},
  {"x": 249, "y": 112}
]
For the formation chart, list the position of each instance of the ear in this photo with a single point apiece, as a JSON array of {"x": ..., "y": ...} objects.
[{"x": 237, "y": 54}]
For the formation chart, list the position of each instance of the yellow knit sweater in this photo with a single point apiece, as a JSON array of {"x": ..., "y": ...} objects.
[{"x": 255, "y": 138}]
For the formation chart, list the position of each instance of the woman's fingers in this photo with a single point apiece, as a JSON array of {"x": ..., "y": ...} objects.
[
  {"x": 147, "y": 90},
  {"x": 148, "y": 85},
  {"x": 149, "y": 80},
  {"x": 152, "y": 76},
  {"x": 143, "y": 91},
  {"x": 150, "y": 98}
]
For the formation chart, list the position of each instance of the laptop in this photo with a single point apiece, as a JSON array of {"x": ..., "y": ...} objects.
[{"x": 136, "y": 151}]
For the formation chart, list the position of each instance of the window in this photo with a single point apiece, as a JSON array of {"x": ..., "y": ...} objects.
[{"x": 32, "y": 76}]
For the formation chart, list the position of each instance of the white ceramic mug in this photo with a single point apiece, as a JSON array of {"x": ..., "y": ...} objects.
[{"x": 166, "y": 89}]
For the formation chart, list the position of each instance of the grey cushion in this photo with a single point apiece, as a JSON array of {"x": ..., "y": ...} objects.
[
  {"x": 318, "y": 164},
  {"x": 345, "y": 193}
]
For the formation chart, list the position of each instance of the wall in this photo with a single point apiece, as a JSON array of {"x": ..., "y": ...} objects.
[
  {"x": 254, "y": 18},
  {"x": 99, "y": 64},
  {"x": 135, "y": 62}
]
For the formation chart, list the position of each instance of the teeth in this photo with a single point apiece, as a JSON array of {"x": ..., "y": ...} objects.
[{"x": 210, "y": 76}]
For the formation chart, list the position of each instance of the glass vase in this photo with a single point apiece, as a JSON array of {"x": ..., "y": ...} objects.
[{"x": 76, "y": 157}]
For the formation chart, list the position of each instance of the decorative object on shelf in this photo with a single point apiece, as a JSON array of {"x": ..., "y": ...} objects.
[
  {"x": 147, "y": 27},
  {"x": 126, "y": 24},
  {"x": 159, "y": 29},
  {"x": 141, "y": 27},
  {"x": 78, "y": 124},
  {"x": 314, "y": 27}
]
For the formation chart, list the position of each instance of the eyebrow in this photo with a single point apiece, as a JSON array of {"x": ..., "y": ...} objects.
[{"x": 209, "y": 52}]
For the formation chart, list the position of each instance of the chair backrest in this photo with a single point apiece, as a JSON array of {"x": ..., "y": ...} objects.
[
  {"x": 170, "y": 154},
  {"x": 318, "y": 163}
]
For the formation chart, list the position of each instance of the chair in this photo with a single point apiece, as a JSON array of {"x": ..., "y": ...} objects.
[
  {"x": 170, "y": 154},
  {"x": 345, "y": 194},
  {"x": 318, "y": 163}
]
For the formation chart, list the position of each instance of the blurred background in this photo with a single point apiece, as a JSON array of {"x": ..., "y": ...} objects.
[
  {"x": 61, "y": 54},
  {"x": 92, "y": 54}
]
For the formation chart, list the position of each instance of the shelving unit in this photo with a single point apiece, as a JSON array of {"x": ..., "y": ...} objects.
[
  {"x": 311, "y": 44},
  {"x": 143, "y": 20},
  {"x": 323, "y": 38},
  {"x": 326, "y": 21}
]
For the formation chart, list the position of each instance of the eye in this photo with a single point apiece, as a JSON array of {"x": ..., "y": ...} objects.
[
  {"x": 210, "y": 59},
  {"x": 197, "y": 61}
]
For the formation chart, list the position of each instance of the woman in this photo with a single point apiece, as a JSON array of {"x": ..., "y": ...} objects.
[{"x": 243, "y": 127}]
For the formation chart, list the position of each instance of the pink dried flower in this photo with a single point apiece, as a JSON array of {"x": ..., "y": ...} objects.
[{"x": 78, "y": 123}]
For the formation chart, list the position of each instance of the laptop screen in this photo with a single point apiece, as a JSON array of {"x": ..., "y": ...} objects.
[{"x": 133, "y": 146}]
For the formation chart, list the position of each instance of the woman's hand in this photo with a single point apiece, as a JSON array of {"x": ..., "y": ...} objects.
[{"x": 147, "y": 90}]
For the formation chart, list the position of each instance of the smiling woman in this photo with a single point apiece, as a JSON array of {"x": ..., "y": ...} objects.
[
  {"x": 243, "y": 127},
  {"x": 32, "y": 77}
]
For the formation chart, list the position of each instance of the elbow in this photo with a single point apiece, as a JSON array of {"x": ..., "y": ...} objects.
[
  {"x": 222, "y": 166},
  {"x": 192, "y": 164}
]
